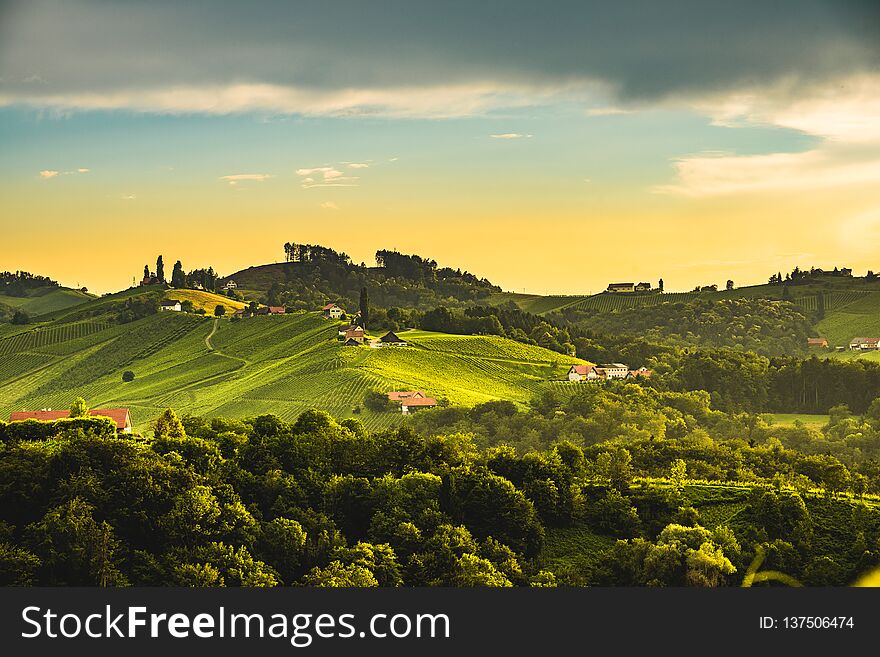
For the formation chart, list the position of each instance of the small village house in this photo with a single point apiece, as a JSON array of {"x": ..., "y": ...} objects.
[
  {"x": 864, "y": 344},
  {"x": 230, "y": 285},
  {"x": 120, "y": 416},
  {"x": 642, "y": 372},
  {"x": 276, "y": 310},
  {"x": 621, "y": 287},
  {"x": 390, "y": 339},
  {"x": 332, "y": 311},
  {"x": 643, "y": 287},
  {"x": 171, "y": 304},
  {"x": 615, "y": 370},
  {"x": 355, "y": 335},
  {"x": 583, "y": 373},
  {"x": 412, "y": 400},
  {"x": 817, "y": 342}
]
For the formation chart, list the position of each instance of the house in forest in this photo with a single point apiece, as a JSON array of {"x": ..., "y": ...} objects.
[
  {"x": 642, "y": 372},
  {"x": 230, "y": 285},
  {"x": 120, "y": 416},
  {"x": 276, "y": 310},
  {"x": 332, "y": 311},
  {"x": 817, "y": 342},
  {"x": 615, "y": 370}
]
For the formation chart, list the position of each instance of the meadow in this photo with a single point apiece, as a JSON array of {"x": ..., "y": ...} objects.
[{"x": 264, "y": 364}]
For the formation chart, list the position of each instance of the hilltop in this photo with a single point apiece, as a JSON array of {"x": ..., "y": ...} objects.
[{"x": 239, "y": 368}]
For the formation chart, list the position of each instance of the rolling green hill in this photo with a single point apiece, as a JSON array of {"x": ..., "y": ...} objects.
[
  {"x": 268, "y": 364},
  {"x": 46, "y": 300}
]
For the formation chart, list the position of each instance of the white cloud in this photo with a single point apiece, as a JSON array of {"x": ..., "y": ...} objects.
[
  {"x": 608, "y": 111},
  {"x": 326, "y": 177},
  {"x": 438, "y": 101},
  {"x": 511, "y": 135},
  {"x": 83, "y": 170},
  {"x": 128, "y": 197},
  {"x": 48, "y": 173},
  {"x": 236, "y": 178},
  {"x": 329, "y": 205},
  {"x": 357, "y": 165},
  {"x": 844, "y": 117}
]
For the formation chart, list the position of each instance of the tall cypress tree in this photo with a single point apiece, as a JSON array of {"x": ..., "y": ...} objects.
[
  {"x": 160, "y": 270},
  {"x": 364, "y": 307}
]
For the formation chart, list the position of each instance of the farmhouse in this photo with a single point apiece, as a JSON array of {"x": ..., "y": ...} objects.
[
  {"x": 276, "y": 310},
  {"x": 332, "y": 311},
  {"x": 584, "y": 373},
  {"x": 643, "y": 287},
  {"x": 621, "y": 287},
  {"x": 230, "y": 285},
  {"x": 407, "y": 406},
  {"x": 171, "y": 304},
  {"x": 642, "y": 372},
  {"x": 411, "y": 400},
  {"x": 353, "y": 334},
  {"x": 864, "y": 344},
  {"x": 615, "y": 370},
  {"x": 817, "y": 342},
  {"x": 399, "y": 396},
  {"x": 120, "y": 416},
  {"x": 390, "y": 339}
]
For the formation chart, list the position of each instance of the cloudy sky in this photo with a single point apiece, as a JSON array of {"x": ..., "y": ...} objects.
[{"x": 551, "y": 147}]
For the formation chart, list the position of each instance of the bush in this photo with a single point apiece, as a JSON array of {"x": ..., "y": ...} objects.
[
  {"x": 377, "y": 401},
  {"x": 128, "y": 376},
  {"x": 102, "y": 427}
]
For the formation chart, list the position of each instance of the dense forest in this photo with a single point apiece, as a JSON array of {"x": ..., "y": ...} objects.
[
  {"x": 263, "y": 502},
  {"x": 762, "y": 326}
]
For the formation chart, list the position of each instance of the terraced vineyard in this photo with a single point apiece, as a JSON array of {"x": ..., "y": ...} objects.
[{"x": 282, "y": 365}]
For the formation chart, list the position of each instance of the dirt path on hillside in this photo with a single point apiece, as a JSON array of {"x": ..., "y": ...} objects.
[{"x": 211, "y": 335}]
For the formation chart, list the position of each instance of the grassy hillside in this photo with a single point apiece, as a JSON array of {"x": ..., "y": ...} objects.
[
  {"x": 268, "y": 364},
  {"x": 207, "y": 301},
  {"x": 46, "y": 300}
]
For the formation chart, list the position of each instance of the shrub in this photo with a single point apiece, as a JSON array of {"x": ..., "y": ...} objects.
[{"x": 128, "y": 376}]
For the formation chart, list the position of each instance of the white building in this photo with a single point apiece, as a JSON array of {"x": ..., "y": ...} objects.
[
  {"x": 171, "y": 304},
  {"x": 230, "y": 285},
  {"x": 615, "y": 370}
]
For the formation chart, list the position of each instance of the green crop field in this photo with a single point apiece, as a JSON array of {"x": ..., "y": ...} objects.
[
  {"x": 265, "y": 364},
  {"x": 47, "y": 300}
]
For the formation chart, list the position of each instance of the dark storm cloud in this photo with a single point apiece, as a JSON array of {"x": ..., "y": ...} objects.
[{"x": 644, "y": 50}]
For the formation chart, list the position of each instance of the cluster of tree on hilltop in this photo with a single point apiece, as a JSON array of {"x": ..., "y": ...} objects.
[
  {"x": 312, "y": 275},
  {"x": 204, "y": 278},
  {"x": 762, "y": 326},
  {"x": 799, "y": 276},
  {"x": 263, "y": 502},
  {"x": 19, "y": 283}
]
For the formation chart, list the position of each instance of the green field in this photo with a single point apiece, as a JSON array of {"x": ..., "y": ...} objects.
[
  {"x": 788, "y": 419},
  {"x": 265, "y": 364},
  {"x": 47, "y": 300}
]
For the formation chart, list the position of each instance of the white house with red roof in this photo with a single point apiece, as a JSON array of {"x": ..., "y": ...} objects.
[
  {"x": 120, "y": 416},
  {"x": 332, "y": 311},
  {"x": 585, "y": 373},
  {"x": 411, "y": 400}
]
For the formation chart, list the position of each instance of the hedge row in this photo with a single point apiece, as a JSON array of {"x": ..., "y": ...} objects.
[{"x": 42, "y": 429}]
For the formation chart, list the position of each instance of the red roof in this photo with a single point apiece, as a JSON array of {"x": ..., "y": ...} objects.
[
  {"x": 409, "y": 395},
  {"x": 354, "y": 333},
  {"x": 119, "y": 415},
  {"x": 276, "y": 310},
  {"x": 419, "y": 401},
  {"x": 329, "y": 306},
  {"x": 583, "y": 370}
]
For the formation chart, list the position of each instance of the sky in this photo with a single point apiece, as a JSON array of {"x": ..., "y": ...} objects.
[{"x": 551, "y": 147}]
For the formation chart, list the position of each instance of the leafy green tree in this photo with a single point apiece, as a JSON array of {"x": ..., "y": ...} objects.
[
  {"x": 168, "y": 425},
  {"x": 18, "y": 566},
  {"x": 377, "y": 401},
  {"x": 282, "y": 544},
  {"x": 219, "y": 310},
  {"x": 339, "y": 575},
  {"x": 79, "y": 408},
  {"x": 678, "y": 472},
  {"x": 178, "y": 277},
  {"x": 128, "y": 376}
]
